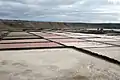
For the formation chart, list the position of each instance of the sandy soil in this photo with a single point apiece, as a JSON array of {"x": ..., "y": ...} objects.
[{"x": 54, "y": 64}]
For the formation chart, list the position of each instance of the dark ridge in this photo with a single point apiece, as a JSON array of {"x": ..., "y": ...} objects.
[
  {"x": 25, "y": 42},
  {"x": 19, "y": 38},
  {"x": 47, "y": 39},
  {"x": 111, "y": 60},
  {"x": 30, "y": 48}
]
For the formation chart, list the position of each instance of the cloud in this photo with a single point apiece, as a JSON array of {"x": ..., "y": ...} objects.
[{"x": 60, "y": 10}]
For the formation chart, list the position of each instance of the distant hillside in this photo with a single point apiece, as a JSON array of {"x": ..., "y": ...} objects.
[
  {"x": 96, "y": 25},
  {"x": 19, "y": 25}
]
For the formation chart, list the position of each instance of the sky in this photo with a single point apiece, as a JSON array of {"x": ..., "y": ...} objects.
[{"x": 93, "y": 11}]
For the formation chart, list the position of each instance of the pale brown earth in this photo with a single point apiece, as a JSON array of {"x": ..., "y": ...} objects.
[{"x": 55, "y": 64}]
